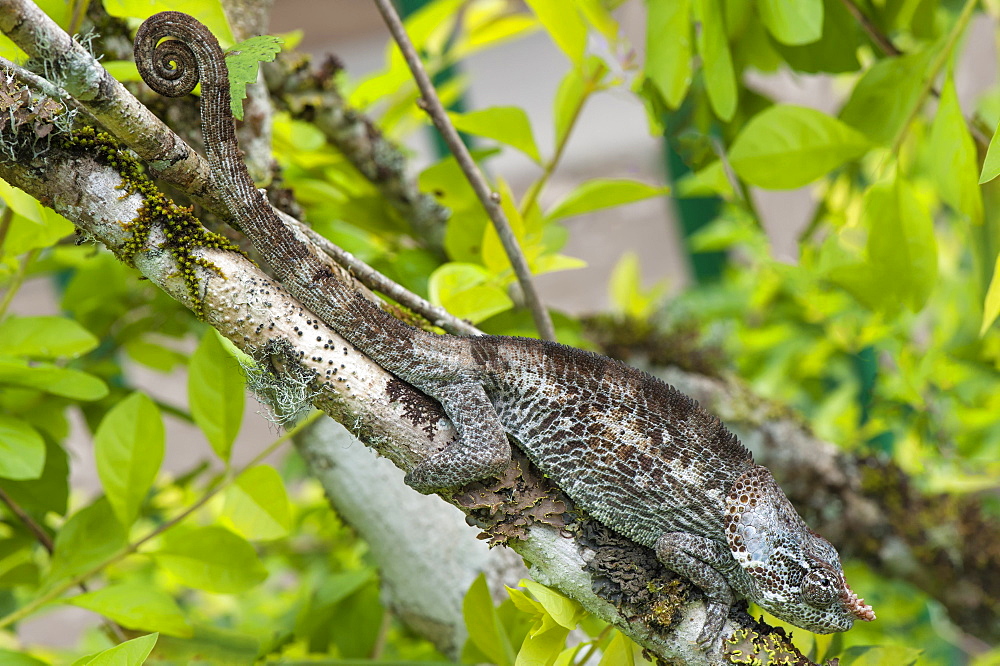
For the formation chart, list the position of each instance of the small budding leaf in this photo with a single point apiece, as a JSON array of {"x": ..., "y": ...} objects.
[{"x": 242, "y": 60}]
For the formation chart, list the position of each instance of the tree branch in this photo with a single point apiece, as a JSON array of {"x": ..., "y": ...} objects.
[
  {"x": 312, "y": 96},
  {"x": 490, "y": 200}
]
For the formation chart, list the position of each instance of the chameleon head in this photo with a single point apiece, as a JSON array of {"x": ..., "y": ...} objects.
[{"x": 788, "y": 570}]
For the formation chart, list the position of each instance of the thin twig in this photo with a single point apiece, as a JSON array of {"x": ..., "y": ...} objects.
[
  {"x": 490, "y": 200},
  {"x": 881, "y": 39},
  {"x": 939, "y": 62},
  {"x": 40, "y": 534},
  {"x": 980, "y": 134}
]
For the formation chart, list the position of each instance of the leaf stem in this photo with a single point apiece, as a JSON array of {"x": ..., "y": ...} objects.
[
  {"x": 431, "y": 103},
  {"x": 6, "y": 217},
  {"x": 550, "y": 166},
  {"x": 939, "y": 61},
  {"x": 17, "y": 281},
  {"x": 133, "y": 547}
]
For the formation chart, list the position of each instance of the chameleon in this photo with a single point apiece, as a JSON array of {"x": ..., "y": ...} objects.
[{"x": 631, "y": 451}]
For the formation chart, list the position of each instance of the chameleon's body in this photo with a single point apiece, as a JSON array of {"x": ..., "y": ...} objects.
[{"x": 632, "y": 451}]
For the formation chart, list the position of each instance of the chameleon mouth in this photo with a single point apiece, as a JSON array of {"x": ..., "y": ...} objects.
[{"x": 857, "y": 606}]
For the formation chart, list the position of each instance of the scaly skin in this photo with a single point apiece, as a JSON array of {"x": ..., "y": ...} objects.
[{"x": 635, "y": 453}]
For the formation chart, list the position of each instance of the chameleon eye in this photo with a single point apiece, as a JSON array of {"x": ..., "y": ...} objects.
[{"x": 818, "y": 589}]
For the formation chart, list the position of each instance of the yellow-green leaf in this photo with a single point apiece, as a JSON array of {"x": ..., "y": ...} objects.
[
  {"x": 136, "y": 605},
  {"x": 462, "y": 289},
  {"x": 129, "y": 653},
  {"x": 128, "y": 446},
  {"x": 216, "y": 393},
  {"x": 45, "y": 337},
  {"x": 22, "y": 450},
  {"x": 668, "y": 48},
  {"x": 506, "y": 124},
  {"x": 564, "y": 611},
  {"x": 785, "y": 147},
  {"x": 243, "y": 60},
  {"x": 603, "y": 193},
  {"x": 210, "y": 558},
  {"x": 792, "y": 22},
  {"x": 564, "y": 24},
  {"x": 991, "y": 308},
  {"x": 257, "y": 504},
  {"x": 991, "y": 165},
  {"x": 717, "y": 61},
  {"x": 953, "y": 156},
  {"x": 88, "y": 538},
  {"x": 483, "y": 624}
]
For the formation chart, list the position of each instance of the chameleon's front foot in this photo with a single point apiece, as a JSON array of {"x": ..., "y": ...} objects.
[
  {"x": 700, "y": 560},
  {"x": 456, "y": 466},
  {"x": 481, "y": 449}
]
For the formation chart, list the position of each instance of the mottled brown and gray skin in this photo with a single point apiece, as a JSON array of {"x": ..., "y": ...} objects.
[{"x": 635, "y": 453}]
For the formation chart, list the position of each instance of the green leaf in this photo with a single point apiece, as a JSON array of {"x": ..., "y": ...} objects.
[
  {"x": 717, "y": 61},
  {"x": 243, "y": 60},
  {"x": 209, "y": 12},
  {"x": 901, "y": 243},
  {"x": 564, "y": 24},
  {"x": 953, "y": 157},
  {"x": 884, "y": 98},
  {"x": 603, "y": 193},
  {"x": 216, "y": 393},
  {"x": 991, "y": 165},
  {"x": 901, "y": 253},
  {"x": 784, "y": 147},
  {"x": 562, "y": 609},
  {"x": 572, "y": 93},
  {"x": 128, "y": 446},
  {"x": 483, "y": 624},
  {"x": 22, "y": 450},
  {"x": 707, "y": 182},
  {"x": 210, "y": 558},
  {"x": 89, "y": 537},
  {"x": 625, "y": 288},
  {"x": 506, "y": 124},
  {"x": 33, "y": 225},
  {"x": 543, "y": 647},
  {"x": 792, "y": 21},
  {"x": 50, "y": 491},
  {"x": 835, "y": 52},
  {"x": 45, "y": 337},
  {"x": 991, "y": 307},
  {"x": 619, "y": 651},
  {"x": 136, "y": 605},
  {"x": 129, "y": 653},
  {"x": 257, "y": 505},
  {"x": 668, "y": 48},
  {"x": 51, "y": 379},
  {"x": 462, "y": 290}
]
